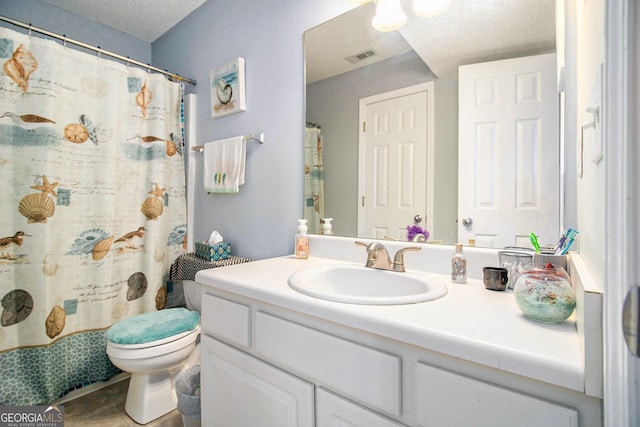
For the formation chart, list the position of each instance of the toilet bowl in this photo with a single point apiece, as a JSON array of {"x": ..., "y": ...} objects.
[{"x": 155, "y": 348}]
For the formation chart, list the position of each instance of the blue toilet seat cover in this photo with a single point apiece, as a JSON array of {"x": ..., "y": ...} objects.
[{"x": 153, "y": 326}]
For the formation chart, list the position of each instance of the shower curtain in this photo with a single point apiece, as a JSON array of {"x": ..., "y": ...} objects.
[
  {"x": 313, "y": 177},
  {"x": 93, "y": 209}
]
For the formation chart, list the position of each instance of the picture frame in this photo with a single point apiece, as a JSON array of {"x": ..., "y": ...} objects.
[{"x": 227, "y": 88}]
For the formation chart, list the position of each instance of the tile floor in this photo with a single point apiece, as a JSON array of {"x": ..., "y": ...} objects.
[{"x": 105, "y": 408}]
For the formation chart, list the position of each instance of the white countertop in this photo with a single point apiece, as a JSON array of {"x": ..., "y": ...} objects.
[{"x": 470, "y": 322}]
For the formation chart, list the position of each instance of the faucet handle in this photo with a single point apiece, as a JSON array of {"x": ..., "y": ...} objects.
[
  {"x": 371, "y": 256},
  {"x": 398, "y": 259}
]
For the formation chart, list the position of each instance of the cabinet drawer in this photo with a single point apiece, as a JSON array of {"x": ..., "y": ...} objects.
[
  {"x": 448, "y": 399},
  {"x": 225, "y": 319},
  {"x": 356, "y": 371}
]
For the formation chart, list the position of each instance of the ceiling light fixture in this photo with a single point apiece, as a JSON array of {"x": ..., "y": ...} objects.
[{"x": 389, "y": 15}]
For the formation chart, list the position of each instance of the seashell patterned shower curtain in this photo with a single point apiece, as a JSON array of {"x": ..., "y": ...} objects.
[
  {"x": 92, "y": 213},
  {"x": 313, "y": 178}
]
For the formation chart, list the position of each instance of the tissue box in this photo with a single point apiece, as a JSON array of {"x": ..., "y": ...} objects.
[{"x": 216, "y": 252}]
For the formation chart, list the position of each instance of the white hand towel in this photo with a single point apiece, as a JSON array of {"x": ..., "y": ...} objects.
[{"x": 224, "y": 165}]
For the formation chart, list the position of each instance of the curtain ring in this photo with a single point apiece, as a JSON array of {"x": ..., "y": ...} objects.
[
  {"x": 29, "y": 29},
  {"x": 64, "y": 40}
]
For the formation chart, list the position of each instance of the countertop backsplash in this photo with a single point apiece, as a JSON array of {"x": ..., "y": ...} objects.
[{"x": 433, "y": 258}]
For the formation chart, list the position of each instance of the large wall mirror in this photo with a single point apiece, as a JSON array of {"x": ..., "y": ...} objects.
[{"x": 346, "y": 61}]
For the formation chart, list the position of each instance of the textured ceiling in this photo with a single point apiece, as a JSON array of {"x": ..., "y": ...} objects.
[
  {"x": 144, "y": 19},
  {"x": 328, "y": 45},
  {"x": 470, "y": 31}
]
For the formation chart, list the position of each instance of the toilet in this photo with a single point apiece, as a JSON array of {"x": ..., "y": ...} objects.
[{"x": 155, "y": 348}]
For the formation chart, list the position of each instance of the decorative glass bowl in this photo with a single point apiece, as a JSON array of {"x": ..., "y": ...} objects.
[{"x": 545, "y": 294}]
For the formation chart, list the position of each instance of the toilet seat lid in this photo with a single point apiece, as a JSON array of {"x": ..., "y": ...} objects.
[{"x": 153, "y": 326}]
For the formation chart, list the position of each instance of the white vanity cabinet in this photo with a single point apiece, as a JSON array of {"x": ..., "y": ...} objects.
[
  {"x": 361, "y": 373},
  {"x": 266, "y": 365},
  {"x": 241, "y": 391},
  {"x": 449, "y": 399},
  {"x": 283, "y": 384}
]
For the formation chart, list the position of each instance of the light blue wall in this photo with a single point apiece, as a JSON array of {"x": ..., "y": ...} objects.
[
  {"x": 260, "y": 220},
  {"x": 52, "y": 18}
]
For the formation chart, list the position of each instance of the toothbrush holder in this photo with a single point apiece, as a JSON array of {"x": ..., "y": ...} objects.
[{"x": 542, "y": 259}]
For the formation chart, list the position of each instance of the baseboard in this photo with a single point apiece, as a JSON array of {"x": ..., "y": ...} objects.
[{"x": 99, "y": 385}]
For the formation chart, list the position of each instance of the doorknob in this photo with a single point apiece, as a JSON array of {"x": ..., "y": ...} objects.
[
  {"x": 631, "y": 320},
  {"x": 467, "y": 222},
  {"x": 417, "y": 219}
]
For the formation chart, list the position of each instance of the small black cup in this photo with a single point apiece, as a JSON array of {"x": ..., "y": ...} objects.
[{"x": 495, "y": 278}]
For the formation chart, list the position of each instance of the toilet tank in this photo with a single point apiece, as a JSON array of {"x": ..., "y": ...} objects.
[{"x": 192, "y": 295}]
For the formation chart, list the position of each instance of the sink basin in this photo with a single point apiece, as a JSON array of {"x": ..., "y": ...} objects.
[{"x": 360, "y": 285}]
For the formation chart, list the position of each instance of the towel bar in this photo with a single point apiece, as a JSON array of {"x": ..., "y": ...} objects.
[{"x": 252, "y": 137}]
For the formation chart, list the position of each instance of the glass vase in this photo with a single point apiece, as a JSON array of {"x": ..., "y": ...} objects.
[{"x": 545, "y": 294}]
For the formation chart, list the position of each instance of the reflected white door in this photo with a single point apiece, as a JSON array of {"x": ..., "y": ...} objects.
[
  {"x": 392, "y": 175},
  {"x": 509, "y": 152}
]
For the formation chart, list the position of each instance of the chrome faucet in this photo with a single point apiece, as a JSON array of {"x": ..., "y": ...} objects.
[{"x": 378, "y": 256}]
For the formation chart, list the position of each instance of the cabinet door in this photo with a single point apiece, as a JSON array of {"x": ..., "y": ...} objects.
[
  {"x": 361, "y": 373},
  {"x": 447, "y": 399},
  {"x": 241, "y": 391},
  {"x": 334, "y": 411}
]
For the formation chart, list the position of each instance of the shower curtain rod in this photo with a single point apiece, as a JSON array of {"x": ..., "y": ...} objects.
[{"x": 96, "y": 49}]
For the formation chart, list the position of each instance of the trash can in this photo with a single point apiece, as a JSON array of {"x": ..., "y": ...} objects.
[{"x": 188, "y": 393}]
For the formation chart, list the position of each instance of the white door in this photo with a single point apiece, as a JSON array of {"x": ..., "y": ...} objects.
[
  {"x": 392, "y": 175},
  {"x": 241, "y": 391},
  {"x": 509, "y": 152},
  {"x": 620, "y": 236}
]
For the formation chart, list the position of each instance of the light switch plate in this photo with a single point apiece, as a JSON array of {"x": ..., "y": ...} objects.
[{"x": 597, "y": 152}]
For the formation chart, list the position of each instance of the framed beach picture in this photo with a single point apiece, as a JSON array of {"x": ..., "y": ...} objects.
[{"x": 227, "y": 88}]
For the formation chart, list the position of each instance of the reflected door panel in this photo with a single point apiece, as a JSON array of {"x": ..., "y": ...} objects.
[
  {"x": 509, "y": 181},
  {"x": 395, "y": 163}
]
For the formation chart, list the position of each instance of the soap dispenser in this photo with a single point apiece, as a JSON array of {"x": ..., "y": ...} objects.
[
  {"x": 458, "y": 266},
  {"x": 302, "y": 240},
  {"x": 326, "y": 226}
]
